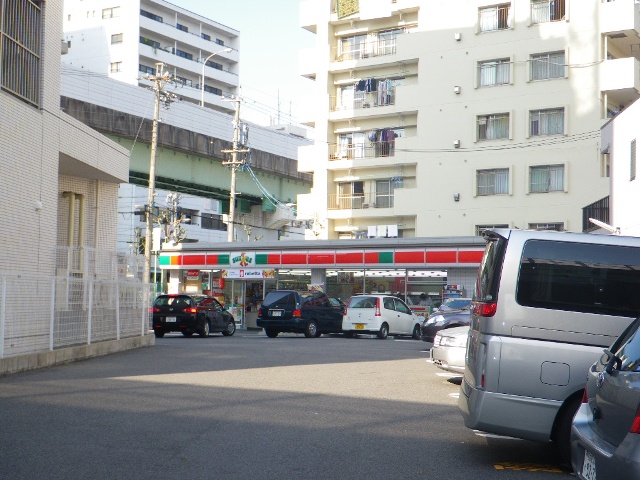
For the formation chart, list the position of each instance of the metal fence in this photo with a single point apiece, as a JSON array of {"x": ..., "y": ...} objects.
[
  {"x": 95, "y": 296},
  {"x": 44, "y": 314}
]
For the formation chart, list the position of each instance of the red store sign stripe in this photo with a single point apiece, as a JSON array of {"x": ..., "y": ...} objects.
[{"x": 442, "y": 257}]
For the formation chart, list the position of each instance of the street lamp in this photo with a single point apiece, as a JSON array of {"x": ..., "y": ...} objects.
[{"x": 204, "y": 64}]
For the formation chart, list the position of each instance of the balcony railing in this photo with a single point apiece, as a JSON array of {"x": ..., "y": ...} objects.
[
  {"x": 364, "y": 100},
  {"x": 597, "y": 210},
  {"x": 182, "y": 54},
  {"x": 366, "y": 49},
  {"x": 359, "y": 201},
  {"x": 368, "y": 150}
]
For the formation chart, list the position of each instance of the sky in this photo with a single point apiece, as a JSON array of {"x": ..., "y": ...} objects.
[{"x": 270, "y": 41}]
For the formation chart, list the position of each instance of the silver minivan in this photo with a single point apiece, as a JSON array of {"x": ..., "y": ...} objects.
[{"x": 544, "y": 306}]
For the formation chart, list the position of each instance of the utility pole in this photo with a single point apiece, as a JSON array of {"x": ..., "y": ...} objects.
[
  {"x": 159, "y": 79},
  {"x": 234, "y": 164}
]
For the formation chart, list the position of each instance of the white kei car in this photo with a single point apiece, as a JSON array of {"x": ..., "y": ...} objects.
[{"x": 382, "y": 315}]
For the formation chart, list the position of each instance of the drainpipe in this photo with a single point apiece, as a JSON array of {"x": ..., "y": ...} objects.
[{"x": 81, "y": 222}]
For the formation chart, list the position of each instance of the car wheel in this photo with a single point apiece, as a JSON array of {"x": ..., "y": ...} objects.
[
  {"x": 383, "y": 333},
  {"x": 416, "y": 332},
  {"x": 204, "y": 332},
  {"x": 312, "y": 329},
  {"x": 351, "y": 334},
  {"x": 187, "y": 334},
  {"x": 231, "y": 329},
  {"x": 563, "y": 430},
  {"x": 158, "y": 333},
  {"x": 271, "y": 333}
]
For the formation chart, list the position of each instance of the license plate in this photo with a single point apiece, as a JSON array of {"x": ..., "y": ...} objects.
[
  {"x": 359, "y": 326},
  {"x": 170, "y": 319},
  {"x": 275, "y": 313},
  {"x": 589, "y": 466}
]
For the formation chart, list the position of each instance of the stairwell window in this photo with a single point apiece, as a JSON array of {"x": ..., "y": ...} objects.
[
  {"x": 492, "y": 181},
  {"x": 116, "y": 67},
  {"x": 543, "y": 11},
  {"x": 547, "y": 65},
  {"x": 557, "y": 227},
  {"x": 116, "y": 38},
  {"x": 493, "y": 127},
  {"x": 546, "y": 178},
  {"x": 20, "y": 48},
  {"x": 496, "y": 17},
  {"x": 494, "y": 72},
  {"x": 546, "y": 122}
]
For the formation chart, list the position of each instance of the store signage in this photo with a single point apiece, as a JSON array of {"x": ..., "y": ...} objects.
[
  {"x": 243, "y": 259},
  {"x": 249, "y": 274},
  {"x": 193, "y": 274}
]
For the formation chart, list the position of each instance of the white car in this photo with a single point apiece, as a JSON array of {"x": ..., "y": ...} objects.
[
  {"x": 449, "y": 349},
  {"x": 382, "y": 315}
]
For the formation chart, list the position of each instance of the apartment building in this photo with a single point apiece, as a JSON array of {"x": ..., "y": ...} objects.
[
  {"x": 59, "y": 272},
  {"x": 444, "y": 118},
  {"x": 125, "y": 40}
]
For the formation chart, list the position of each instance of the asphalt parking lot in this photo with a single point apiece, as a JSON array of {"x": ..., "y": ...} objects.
[{"x": 252, "y": 407}]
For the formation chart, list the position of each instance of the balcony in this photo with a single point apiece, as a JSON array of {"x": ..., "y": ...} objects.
[
  {"x": 365, "y": 49},
  {"x": 362, "y": 151},
  {"x": 620, "y": 21},
  {"x": 337, "y": 201},
  {"x": 168, "y": 56},
  {"x": 310, "y": 13},
  {"x": 364, "y": 100},
  {"x": 620, "y": 80}
]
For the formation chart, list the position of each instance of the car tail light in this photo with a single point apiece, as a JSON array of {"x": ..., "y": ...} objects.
[
  {"x": 585, "y": 398},
  {"x": 344, "y": 312},
  {"x": 635, "y": 426},
  {"x": 297, "y": 313},
  {"x": 377, "y": 307},
  {"x": 483, "y": 309},
  {"x": 190, "y": 310},
  {"x": 154, "y": 310}
]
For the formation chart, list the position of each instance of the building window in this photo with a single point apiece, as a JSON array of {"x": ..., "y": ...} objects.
[
  {"x": 150, "y": 15},
  {"x": 20, "y": 49},
  {"x": 206, "y": 37},
  {"x": 493, "y": 127},
  {"x": 496, "y": 17},
  {"x": 546, "y": 178},
  {"x": 147, "y": 70},
  {"x": 558, "y": 226},
  {"x": 116, "y": 67},
  {"x": 494, "y": 72},
  {"x": 210, "y": 221},
  {"x": 182, "y": 27},
  {"x": 492, "y": 182},
  {"x": 546, "y": 122},
  {"x": 112, "y": 12},
  {"x": 217, "y": 66},
  {"x": 543, "y": 11},
  {"x": 605, "y": 165},
  {"x": 632, "y": 163},
  {"x": 117, "y": 38},
  {"x": 218, "y": 41},
  {"x": 214, "y": 90},
  {"x": 547, "y": 65},
  {"x": 481, "y": 228},
  {"x": 350, "y": 195},
  {"x": 183, "y": 54},
  {"x": 384, "y": 192}
]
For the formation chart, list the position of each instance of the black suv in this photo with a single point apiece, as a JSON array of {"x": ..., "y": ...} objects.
[
  {"x": 190, "y": 314},
  {"x": 310, "y": 313}
]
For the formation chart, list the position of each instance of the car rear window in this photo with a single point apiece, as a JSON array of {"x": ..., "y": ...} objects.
[
  {"x": 280, "y": 297},
  {"x": 362, "y": 302},
  {"x": 169, "y": 300}
]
